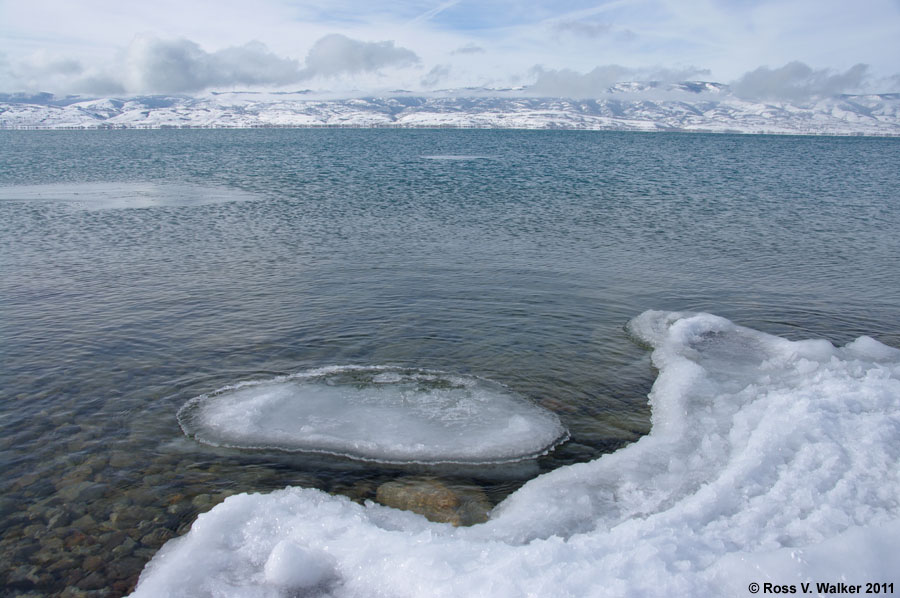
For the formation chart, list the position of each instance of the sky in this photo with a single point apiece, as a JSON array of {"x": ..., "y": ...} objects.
[{"x": 774, "y": 49}]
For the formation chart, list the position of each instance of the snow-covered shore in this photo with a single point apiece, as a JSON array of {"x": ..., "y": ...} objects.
[{"x": 769, "y": 462}]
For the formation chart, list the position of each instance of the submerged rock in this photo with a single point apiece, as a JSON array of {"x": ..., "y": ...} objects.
[
  {"x": 92, "y": 581},
  {"x": 357, "y": 492},
  {"x": 435, "y": 500},
  {"x": 82, "y": 492},
  {"x": 157, "y": 537},
  {"x": 8, "y": 506}
]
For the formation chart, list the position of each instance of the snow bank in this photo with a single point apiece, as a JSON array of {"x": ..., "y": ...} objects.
[
  {"x": 768, "y": 461},
  {"x": 376, "y": 413}
]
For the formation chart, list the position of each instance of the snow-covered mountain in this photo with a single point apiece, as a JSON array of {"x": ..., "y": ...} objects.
[{"x": 690, "y": 106}]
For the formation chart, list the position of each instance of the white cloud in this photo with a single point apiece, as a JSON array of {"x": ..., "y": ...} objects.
[
  {"x": 43, "y": 64},
  {"x": 253, "y": 64},
  {"x": 6, "y": 74},
  {"x": 430, "y": 14},
  {"x": 570, "y": 84},
  {"x": 98, "y": 84},
  {"x": 469, "y": 48},
  {"x": 797, "y": 81},
  {"x": 337, "y": 54},
  {"x": 154, "y": 65},
  {"x": 435, "y": 76},
  {"x": 595, "y": 83},
  {"x": 892, "y": 84},
  {"x": 41, "y": 70},
  {"x": 672, "y": 75},
  {"x": 583, "y": 28}
]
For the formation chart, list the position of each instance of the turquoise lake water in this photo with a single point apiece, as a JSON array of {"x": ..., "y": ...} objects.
[{"x": 141, "y": 269}]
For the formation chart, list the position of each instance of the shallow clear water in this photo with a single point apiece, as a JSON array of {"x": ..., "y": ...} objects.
[{"x": 512, "y": 256}]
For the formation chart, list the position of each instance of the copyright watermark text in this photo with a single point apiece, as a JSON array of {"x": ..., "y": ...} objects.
[{"x": 821, "y": 588}]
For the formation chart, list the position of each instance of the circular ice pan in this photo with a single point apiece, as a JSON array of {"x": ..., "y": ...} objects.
[{"x": 384, "y": 414}]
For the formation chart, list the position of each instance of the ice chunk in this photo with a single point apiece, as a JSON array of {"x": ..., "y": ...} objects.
[
  {"x": 769, "y": 461},
  {"x": 379, "y": 414}
]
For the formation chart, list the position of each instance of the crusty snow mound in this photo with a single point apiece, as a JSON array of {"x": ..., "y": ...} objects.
[{"x": 769, "y": 461}]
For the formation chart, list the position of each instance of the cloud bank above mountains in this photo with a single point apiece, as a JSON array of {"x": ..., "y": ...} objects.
[
  {"x": 793, "y": 50},
  {"x": 796, "y": 81},
  {"x": 153, "y": 65}
]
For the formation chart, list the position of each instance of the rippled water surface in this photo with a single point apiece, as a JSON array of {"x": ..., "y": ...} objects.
[{"x": 141, "y": 269}]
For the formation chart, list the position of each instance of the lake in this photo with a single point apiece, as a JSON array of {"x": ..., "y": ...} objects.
[{"x": 141, "y": 270}]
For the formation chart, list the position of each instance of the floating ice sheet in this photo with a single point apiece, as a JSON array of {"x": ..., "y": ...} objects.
[
  {"x": 117, "y": 196},
  {"x": 457, "y": 157},
  {"x": 378, "y": 414},
  {"x": 769, "y": 461}
]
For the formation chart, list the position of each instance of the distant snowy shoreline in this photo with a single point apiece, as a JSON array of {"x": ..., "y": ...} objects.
[
  {"x": 682, "y": 109},
  {"x": 439, "y": 127}
]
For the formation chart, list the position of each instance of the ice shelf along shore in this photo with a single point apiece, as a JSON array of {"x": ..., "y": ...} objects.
[{"x": 769, "y": 461}]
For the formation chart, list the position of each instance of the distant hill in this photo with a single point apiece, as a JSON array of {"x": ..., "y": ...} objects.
[{"x": 638, "y": 106}]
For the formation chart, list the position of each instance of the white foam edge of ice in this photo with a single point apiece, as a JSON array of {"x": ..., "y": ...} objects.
[
  {"x": 122, "y": 195},
  {"x": 768, "y": 461},
  {"x": 559, "y": 436}
]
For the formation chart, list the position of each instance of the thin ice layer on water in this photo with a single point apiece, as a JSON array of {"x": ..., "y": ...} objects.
[
  {"x": 122, "y": 195},
  {"x": 460, "y": 157},
  {"x": 378, "y": 414},
  {"x": 769, "y": 461}
]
